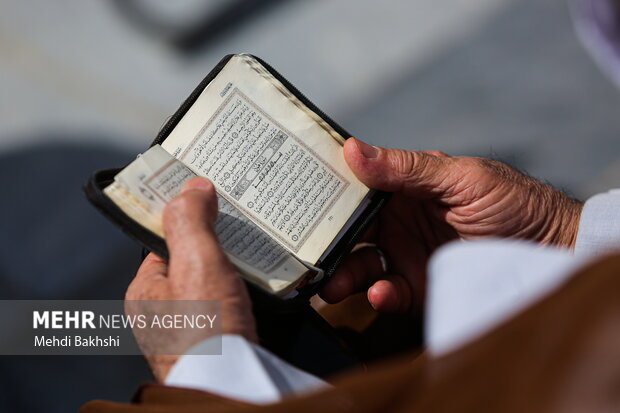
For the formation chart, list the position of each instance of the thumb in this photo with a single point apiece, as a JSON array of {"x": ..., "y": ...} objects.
[
  {"x": 414, "y": 173},
  {"x": 189, "y": 226}
]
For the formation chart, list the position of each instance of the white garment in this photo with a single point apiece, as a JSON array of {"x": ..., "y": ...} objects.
[
  {"x": 473, "y": 287},
  {"x": 599, "y": 227},
  {"x": 243, "y": 371}
]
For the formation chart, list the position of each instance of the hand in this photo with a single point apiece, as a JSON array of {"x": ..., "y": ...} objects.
[
  {"x": 438, "y": 198},
  {"x": 198, "y": 268}
]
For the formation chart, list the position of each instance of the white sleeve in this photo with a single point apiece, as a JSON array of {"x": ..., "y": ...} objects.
[
  {"x": 475, "y": 286},
  {"x": 244, "y": 371},
  {"x": 599, "y": 226}
]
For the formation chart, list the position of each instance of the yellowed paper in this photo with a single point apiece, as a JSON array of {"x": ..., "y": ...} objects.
[
  {"x": 143, "y": 189},
  {"x": 270, "y": 157}
]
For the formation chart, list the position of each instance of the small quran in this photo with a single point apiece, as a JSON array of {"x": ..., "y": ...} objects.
[{"x": 289, "y": 206}]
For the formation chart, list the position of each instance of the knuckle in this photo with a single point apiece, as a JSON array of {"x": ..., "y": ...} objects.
[
  {"x": 414, "y": 165},
  {"x": 191, "y": 204},
  {"x": 439, "y": 154},
  {"x": 496, "y": 168},
  {"x": 405, "y": 162},
  {"x": 487, "y": 163},
  {"x": 180, "y": 205},
  {"x": 468, "y": 164}
]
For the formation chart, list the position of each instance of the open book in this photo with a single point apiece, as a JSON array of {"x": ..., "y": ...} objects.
[{"x": 289, "y": 206}]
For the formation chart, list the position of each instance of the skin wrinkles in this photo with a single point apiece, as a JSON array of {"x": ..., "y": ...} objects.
[{"x": 436, "y": 199}]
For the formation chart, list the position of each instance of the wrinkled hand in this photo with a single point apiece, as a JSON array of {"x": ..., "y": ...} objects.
[
  {"x": 438, "y": 198},
  {"x": 198, "y": 268}
]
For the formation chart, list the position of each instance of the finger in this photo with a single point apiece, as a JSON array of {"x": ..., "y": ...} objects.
[
  {"x": 189, "y": 226},
  {"x": 371, "y": 233},
  {"x": 152, "y": 266},
  {"x": 394, "y": 170},
  {"x": 152, "y": 270},
  {"x": 391, "y": 294},
  {"x": 357, "y": 272}
]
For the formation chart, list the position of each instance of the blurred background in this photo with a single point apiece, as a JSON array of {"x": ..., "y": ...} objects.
[{"x": 86, "y": 84}]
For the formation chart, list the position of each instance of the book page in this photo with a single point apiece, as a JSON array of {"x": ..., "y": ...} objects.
[
  {"x": 143, "y": 189},
  {"x": 270, "y": 156}
]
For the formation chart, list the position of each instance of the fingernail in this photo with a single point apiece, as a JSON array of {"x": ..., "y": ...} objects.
[
  {"x": 200, "y": 184},
  {"x": 368, "y": 151}
]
